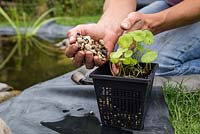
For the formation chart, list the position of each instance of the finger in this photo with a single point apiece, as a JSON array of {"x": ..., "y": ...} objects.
[
  {"x": 115, "y": 69},
  {"x": 131, "y": 20},
  {"x": 89, "y": 60},
  {"x": 71, "y": 50},
  {"x": 87, "y": 29},
  {"x": 98, "y": 61},
  {"x": 78, "y": 58},
  {"x": 138, "y": 25},
  {"x": 72, "y": 33}
]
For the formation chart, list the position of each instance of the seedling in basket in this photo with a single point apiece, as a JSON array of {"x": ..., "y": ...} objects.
[
  {"x": 123, "y": 100},
  {"x": 132, "y": 52}
]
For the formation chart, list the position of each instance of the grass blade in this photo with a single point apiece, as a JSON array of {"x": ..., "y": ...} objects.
[
  {"x": 38, "y": 21},
  {"x": 35, "y": 29},
  {"x": 9, "y": 56}
]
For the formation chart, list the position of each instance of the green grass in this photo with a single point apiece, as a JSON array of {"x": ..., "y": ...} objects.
[
  {"x": 72, "y": 21},
  {"x": 184, "y": 108},
  {"x": 67, "y": 21},
  {"x": 4, "y": 23}
]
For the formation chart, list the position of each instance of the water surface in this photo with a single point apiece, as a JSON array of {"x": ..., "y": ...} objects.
[
  {"x": 35, "y": 68},
  {"x": 87, "y": 124}
]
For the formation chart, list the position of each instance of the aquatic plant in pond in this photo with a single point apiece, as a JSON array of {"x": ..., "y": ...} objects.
[
  {"x": 28, "y": 36},
  {"x": 35, "y": 67},
  {"x": 131, "y": 52}
]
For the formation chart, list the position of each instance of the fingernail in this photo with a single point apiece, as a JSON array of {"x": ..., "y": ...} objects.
[
  {"x": 71, "y": 39},
  {"x": 125, "y": 25}
]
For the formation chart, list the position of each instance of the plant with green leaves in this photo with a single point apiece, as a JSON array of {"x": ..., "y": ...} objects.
[
  {"x": 132, "y": 58},
  {"x": 24, "y": 41}
]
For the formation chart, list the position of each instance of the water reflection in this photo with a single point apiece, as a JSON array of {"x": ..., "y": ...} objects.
[
  {"x": 35, "y": 68},
  {"x": 88, "y": 124}
]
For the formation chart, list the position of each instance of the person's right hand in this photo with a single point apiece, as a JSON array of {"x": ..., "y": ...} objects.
[{"x": 96, "y": 32}]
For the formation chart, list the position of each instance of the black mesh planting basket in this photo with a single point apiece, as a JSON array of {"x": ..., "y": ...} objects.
[{"x": 122, "y": 102}]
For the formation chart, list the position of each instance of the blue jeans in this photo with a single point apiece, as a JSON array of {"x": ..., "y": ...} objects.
[{"x": 178, "y": 49}]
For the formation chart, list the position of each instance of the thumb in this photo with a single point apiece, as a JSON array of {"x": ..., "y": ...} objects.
[
  {"x": 126, "y": 24},
  {"x": 132, "y": 21}
]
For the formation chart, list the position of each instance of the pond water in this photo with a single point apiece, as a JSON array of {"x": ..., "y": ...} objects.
[
  {"x": 87, "y": 124},
  {"x": 36, "y": 67}
]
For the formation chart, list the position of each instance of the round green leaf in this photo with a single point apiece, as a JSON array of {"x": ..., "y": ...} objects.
[
  {"x": 115, "y": 54},
  {"x": 122, "y": 50},
  {"x": 128, "y": 53},
  {"x": 118, "y": 54},
  {"x": 127, "y": 61},
  {"x": 114, "y": 60},
  {"x": 138, "y": 35},
  {"x": 121, "y": 59},
  {"x": 139, "y": 47},
  {"x": 149, "y": 57},
  {"x": 125, "y": 41},
  {"x": 134, "y": 61},
  {"x": 149, "y": 38}
]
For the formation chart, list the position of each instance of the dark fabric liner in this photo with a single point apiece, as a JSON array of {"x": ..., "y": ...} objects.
[{"x": 64, "y": 106}]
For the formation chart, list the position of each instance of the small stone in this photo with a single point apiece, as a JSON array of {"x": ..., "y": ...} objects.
[
  {"x": 87, "y": 37},
  {"x": 93, "y": 51},
  {"x": 82, "y": 46},
  {"x": 91, "y": 113},
  {"x": 87, "y": 46},
  {"x": 5, "y": 87},
  {"x": 65, "y": 42},
  {"x": 101, "y": 42},
  {"x": 78, "y": 34},
  {"x": 62, "y": 47},
  {"x": 5, "y": 95},
  {"x": 80, "y": 40},
  {"x": 86, "y": 43},
  {"x": 100, "y": 57},
  {"x": 91, "y": 41},
  {"x": 103, "y": 50}
]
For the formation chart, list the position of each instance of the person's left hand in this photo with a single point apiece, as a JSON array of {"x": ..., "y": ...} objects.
[{"x": 136, "y": 21}]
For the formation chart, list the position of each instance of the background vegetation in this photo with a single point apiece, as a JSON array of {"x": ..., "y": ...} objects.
[
  {"x": 184, "y": 107},
  {"x": 71, "y": 10}
]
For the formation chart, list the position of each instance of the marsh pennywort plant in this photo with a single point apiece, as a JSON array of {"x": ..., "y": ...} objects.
[{"x": 132, "y": 57}]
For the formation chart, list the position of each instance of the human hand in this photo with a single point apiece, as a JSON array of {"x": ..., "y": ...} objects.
[
  {"x": 96, "y": 32},
  {"x": 136, "y": 21}
]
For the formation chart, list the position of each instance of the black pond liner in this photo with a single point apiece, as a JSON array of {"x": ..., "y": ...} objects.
[{"x": 122, "y": 102}]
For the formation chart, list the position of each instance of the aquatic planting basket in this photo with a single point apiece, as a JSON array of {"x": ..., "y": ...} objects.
[{"x": 122, "y": 102}]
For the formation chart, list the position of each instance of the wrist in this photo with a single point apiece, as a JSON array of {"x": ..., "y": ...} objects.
[
  {"x": 155, "y": 22},
  {"x": 111, "y": 26}
]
